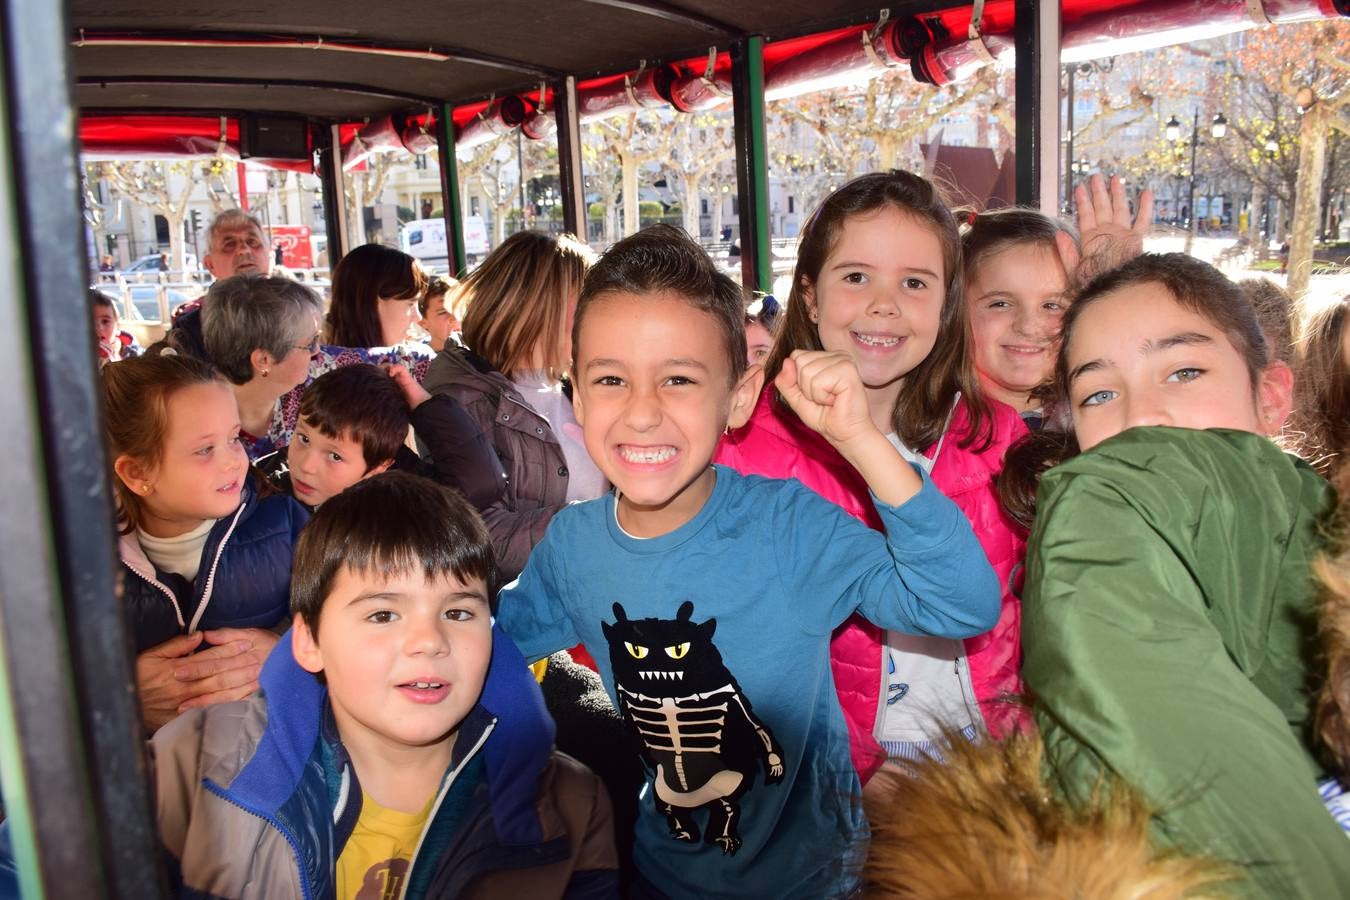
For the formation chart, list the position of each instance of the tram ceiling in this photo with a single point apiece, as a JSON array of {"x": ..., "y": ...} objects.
[{"x": 455, "y": 52}]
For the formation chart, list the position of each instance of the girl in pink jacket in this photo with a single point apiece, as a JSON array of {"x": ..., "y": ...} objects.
[{"x": 877, "y": 278}]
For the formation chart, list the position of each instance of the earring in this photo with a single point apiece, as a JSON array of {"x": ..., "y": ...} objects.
[
  {"x": 815, "y": 317},
  {"x": 145, "y": 488},
  {"x": 264, "y": 372}
]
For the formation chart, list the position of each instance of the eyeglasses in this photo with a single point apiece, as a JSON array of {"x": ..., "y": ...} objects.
[{"x": 311, "y": 348}]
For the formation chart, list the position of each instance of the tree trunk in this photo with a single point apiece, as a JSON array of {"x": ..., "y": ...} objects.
[
  {"x": 717, "y": 203},
  {"x": 1311, "y": 160},
  {"x": 692, "y": 199},
  {"x": 888, "y": 148},
  {"x": 630, "y": 194},
  {"x": 357, "y": 226},
  {"x": 1254, "y": 217}
]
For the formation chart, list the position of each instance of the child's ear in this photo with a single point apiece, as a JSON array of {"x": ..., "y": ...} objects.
[
  {"x": 375, "y": 470},
  {"x": 1275, "y": 396},
  {"x": 746, "y": 394},
  {"x": 305, "y": 646},
  {"x": 809, "y": 298},
  {"x": 578, "y": 411},
  {"x": 131, "y": 473}
]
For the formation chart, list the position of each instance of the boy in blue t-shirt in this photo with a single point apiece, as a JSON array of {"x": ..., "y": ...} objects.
[{"x": 707, "y": 598}]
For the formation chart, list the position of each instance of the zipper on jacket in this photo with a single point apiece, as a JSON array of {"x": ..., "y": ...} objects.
[
  {"x": 968, "y": 692},
  {"x": 211, "y": 574},
  {"x": 154, "y": 582},
  {"x": 306, "y": 891},
  {"x": 440, "y": 798}
]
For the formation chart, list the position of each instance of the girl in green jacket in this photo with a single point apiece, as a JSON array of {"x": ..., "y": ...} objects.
[{"x": 1169, "y": 605}]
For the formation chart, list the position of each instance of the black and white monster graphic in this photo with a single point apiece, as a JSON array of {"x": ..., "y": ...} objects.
[{"x": 700, "y": 738}]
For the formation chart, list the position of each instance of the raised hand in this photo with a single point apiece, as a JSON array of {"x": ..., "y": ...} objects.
[
  {"x": 825, "y": 391},
  {"x": 413, "y": 392},
  {"x": 1108, "y": 235}
]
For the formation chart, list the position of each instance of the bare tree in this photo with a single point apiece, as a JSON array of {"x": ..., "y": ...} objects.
[
  {"x": 628, "y": 143},
  {"x": 703, "y": 147},
  {"x": 160, "y": 186},
  {"x": 824, "y": 138}
]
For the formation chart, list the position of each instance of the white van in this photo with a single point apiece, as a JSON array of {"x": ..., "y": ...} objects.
[{"x": 425, "y": 239}]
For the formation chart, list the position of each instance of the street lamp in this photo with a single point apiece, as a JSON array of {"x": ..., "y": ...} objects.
[
  {"x": 1174, "y": 129},
  {"x": 1217, "y": 129}
]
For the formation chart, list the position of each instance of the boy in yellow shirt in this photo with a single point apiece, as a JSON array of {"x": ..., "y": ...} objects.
[{"x": 399, "y": 746}]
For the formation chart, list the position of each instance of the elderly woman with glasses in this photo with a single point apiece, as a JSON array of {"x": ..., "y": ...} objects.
[{"x": 263, "y": 333}]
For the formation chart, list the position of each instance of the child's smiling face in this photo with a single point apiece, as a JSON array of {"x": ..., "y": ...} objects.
[
  {"x": 1016, "y": 300},
  {"x": 654, "y": 392},
  {"x": 879, "y": 296},
  {"x": 201, "y": 470}
]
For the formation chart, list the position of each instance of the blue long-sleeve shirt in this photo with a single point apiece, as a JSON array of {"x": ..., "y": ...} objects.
[{"x": 713, "y": 641}]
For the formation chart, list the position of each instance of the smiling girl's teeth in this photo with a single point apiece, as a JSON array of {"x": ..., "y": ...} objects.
[
  {"x": 647, "y": 455},
  {"x": 425, "y": 685},
  {"x": 877, "y": 340}
]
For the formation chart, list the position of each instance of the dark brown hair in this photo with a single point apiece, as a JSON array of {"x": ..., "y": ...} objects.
[
  {"x": 664, "y": 259},
  {"x": 925, "y": 400},
  {"x": 1274, "y": 310},
  {"x": 439, "y": 286},
  {"x": 516, "y": 301},
  {"x": 99, "y": 299},
  {"x": 136, "y": 394},
  {"x": 1332, "y": 570},
  {"x": 386, "y": 526},
  {"x": 1320, "y": 426},
  {"x": 360, "y": 402},
  {"x": 363, "y": 278},
  {"x": 1197, "y": 287}
]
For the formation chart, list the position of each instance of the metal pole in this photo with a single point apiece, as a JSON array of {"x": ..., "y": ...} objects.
[
  {"x": 331, "y": 177},
  {"x": 450, "y": 199},
  {"x": 241, "y": 170},
  {"x": 752, "y": 170},
  {"x": 571, "y": 180},
  {"x": 1191, "y": 220},
  {"x": 520, "y": 176},
  {"x": 1068, "y": 130},
  {"x": 1036, "y": 38},
  {"x": 71, "y": 751}
]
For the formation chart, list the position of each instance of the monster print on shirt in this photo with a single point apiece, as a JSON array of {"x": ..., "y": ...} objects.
[{"x": 700, "y": 739}]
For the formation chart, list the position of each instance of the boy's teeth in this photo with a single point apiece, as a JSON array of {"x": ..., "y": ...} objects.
[{"x": 651, "y": 455}]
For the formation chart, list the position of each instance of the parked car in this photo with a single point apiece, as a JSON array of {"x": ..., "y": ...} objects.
[
  {"x": 144, "y": 300},
  {"x": 149, "y": 264}
]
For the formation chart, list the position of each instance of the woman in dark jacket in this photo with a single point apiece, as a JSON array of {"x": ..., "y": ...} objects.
[{"x": 509, "y": 376}]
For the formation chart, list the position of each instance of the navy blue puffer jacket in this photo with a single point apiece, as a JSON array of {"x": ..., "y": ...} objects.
[{"x": 244, "y": 580}]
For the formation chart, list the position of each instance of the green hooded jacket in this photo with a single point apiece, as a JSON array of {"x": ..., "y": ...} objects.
[{"x": 1168, "y": 621}]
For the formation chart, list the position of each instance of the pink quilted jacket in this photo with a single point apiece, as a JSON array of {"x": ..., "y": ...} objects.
[{"x": 776, "y": 444}]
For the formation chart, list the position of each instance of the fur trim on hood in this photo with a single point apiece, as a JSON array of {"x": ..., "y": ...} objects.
[{"x": 984, "y": 823}]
